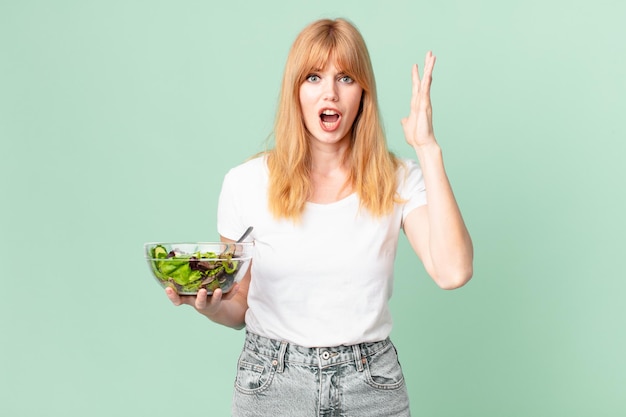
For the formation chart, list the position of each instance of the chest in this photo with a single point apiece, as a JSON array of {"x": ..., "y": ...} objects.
[{"x": 330, "y": 188}]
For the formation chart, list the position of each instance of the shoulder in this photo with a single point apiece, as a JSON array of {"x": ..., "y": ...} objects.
[
  {"x": 255, "y": 164},
  {"x": 405, "y": 163},
  {"x": 407, "y": 167},
  {"x": 242, "y": 184},
  {"x": 253, "y": 169},
  {"x": 409, "y": 176}
]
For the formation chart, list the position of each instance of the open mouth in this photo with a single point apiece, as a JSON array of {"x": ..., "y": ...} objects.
[{"x": 330, "y": 119}]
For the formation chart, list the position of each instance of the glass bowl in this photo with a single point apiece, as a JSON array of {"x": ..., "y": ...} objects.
[{"x": 188, "y": 267}]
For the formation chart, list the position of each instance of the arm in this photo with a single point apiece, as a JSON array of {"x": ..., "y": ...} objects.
[
  {"x": 436, "y": 231},
  {"x": 227, "y": 309}
]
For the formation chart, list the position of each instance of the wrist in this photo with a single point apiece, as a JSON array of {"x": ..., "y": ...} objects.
[{"x": 428, "y": 150}]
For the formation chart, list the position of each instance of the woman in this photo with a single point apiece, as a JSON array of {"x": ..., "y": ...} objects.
[{"x": 327, "y": 204}]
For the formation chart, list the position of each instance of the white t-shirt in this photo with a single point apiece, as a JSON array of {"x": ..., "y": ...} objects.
[{"x": 327, "y": 280}]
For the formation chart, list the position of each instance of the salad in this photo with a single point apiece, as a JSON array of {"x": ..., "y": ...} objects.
[{"x": 188, "y": 273}]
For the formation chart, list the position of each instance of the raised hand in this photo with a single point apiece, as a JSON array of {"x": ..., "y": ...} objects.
[{"x": 418, "y": 125}]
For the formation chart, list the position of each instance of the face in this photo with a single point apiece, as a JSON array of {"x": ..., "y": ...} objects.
[{"x": 330, "y": 102}]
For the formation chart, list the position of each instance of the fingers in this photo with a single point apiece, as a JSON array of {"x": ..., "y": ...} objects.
[
  {"x": 173, "y": 296},
  {"x": 204, "y": 303},
  {"x": 207, "y": 303},
  {"x": 429, "y": 65},
  {"x": 421, "y": 86},
  {"x": 415, "y": 77},
  {"x": 417, "y": 125},
  {"x": 201, "y": 300}
]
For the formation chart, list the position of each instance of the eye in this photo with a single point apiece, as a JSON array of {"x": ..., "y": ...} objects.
[
  {"x": 312, "y": 78},
  {"x": 346, "y": 79}
]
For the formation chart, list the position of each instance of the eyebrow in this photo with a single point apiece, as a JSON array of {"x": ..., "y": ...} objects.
[{"x": 340, "y": 73}]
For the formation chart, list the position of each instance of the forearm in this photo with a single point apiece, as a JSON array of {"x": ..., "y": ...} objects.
[
  {"x": 231, "y": 314},
  {"x": 450, "y": 245}
]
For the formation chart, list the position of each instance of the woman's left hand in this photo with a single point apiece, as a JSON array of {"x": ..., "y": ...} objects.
[
  {"x": 436, "y": 230},
  {"x": 418, "y": 125}
]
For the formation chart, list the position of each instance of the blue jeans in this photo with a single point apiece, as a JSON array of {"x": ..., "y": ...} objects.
[{"x": 277, "y": 378}]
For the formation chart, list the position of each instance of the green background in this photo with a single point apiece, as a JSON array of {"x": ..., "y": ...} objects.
[{"x": 118, "y": 120}]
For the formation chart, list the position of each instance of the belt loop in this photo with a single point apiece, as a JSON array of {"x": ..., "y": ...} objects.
[
  {"x": 357, "y": 357},
  {"x": 281, "y": 357}
]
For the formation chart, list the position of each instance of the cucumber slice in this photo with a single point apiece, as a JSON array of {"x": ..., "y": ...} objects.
[{"x": 159, "y": 252}]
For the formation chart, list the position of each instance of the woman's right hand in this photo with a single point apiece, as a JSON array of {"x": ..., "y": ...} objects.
[
  {"x": 228, "y": 309},
  {"x": 205, "y": 304}
]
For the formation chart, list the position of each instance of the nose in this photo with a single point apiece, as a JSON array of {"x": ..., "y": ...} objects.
[{"x": 330, "y": 90}]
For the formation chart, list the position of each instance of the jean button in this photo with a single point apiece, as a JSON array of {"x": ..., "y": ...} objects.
[{"x": 326, "y": 355}]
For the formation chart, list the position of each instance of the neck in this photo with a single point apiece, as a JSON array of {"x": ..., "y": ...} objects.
[
  {"x": 330, "y": 174},
  {"x": 329, "y": 158}
]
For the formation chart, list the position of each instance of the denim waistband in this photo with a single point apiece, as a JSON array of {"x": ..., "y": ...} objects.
[{"x": 284, "y": 352}]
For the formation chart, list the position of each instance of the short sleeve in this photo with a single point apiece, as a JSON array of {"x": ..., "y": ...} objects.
[
  {"x": 412, "y": 189},
  {"x": 229, "y": 222}
]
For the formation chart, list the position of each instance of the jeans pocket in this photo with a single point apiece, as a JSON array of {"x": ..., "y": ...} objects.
[
  {"x": 383, "y": 370},
  {"x": 254, "y": 373}
]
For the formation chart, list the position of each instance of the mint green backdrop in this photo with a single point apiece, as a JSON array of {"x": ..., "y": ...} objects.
[{"x": 118, "y": 120}]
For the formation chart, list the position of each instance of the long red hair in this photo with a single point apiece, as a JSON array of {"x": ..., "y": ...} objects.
[{"x": 372, "y": 166}]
